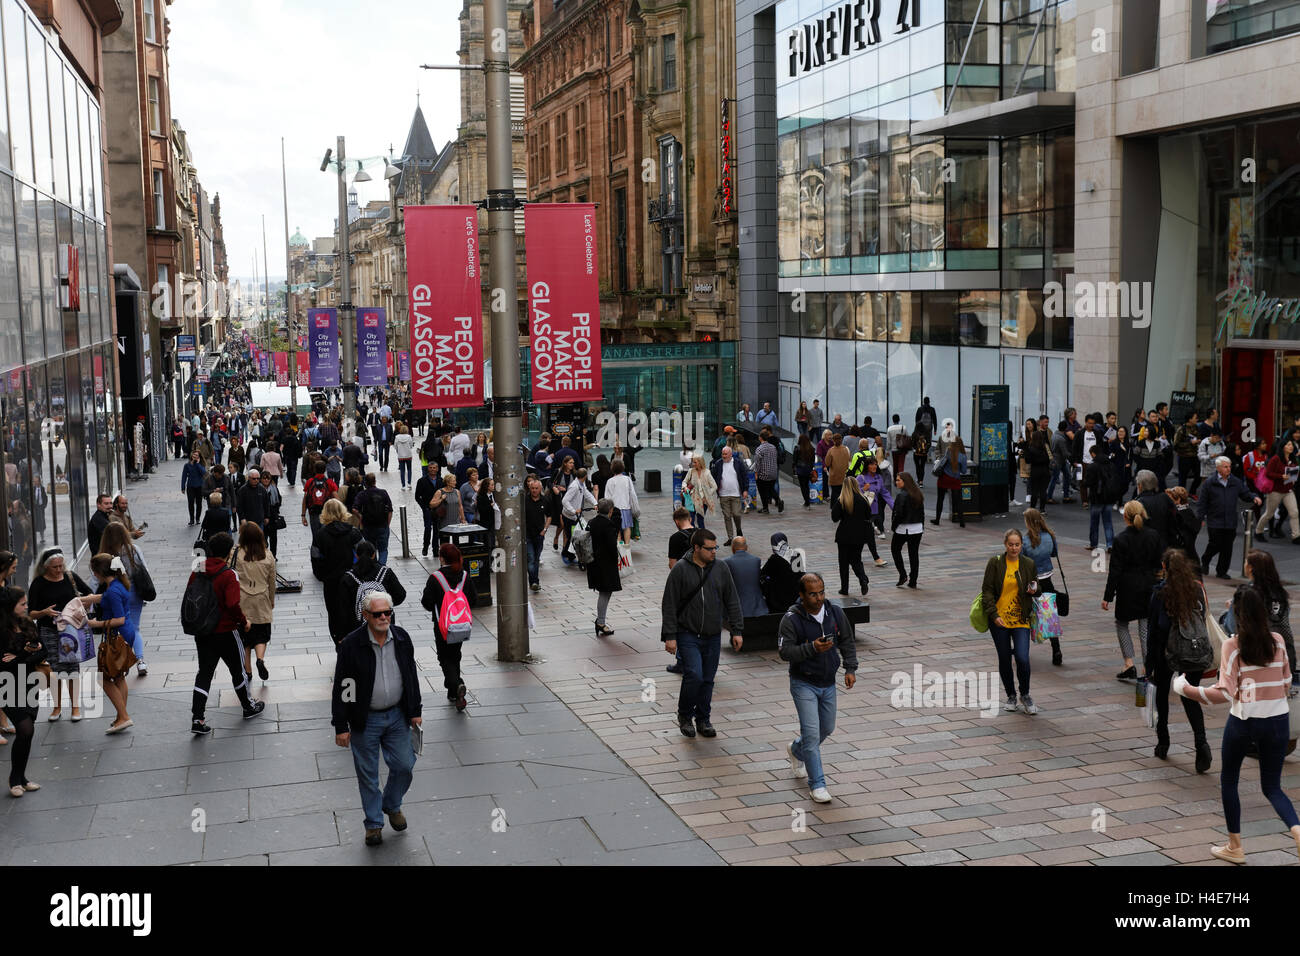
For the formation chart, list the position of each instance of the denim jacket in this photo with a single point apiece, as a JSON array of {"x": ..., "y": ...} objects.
[{"x": 1043, "y": 554}]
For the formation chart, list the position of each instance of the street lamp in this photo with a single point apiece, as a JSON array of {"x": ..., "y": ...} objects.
[{"x": 346, "y": 315}]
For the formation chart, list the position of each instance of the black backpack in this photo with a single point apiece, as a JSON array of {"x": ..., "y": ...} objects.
[
  {"x": 1188, "y": 648},
  {"x": 373, "y": 509},
  {"x": 200, "y": 608}
]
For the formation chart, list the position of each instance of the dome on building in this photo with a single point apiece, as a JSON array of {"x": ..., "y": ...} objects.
[{"x": 298, "y": 239}]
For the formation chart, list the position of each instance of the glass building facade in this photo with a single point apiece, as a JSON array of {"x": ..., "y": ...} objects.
[
  {"x": 57, "y": 389},
  {"x": 914, "y": 264}
]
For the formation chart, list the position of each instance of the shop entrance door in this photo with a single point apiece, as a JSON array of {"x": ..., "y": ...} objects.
[
  {"x": 1288, "y": 389},
  {"x": 1252, "y": 389}
]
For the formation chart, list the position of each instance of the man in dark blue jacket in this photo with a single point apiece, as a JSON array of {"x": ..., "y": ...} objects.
[
  {"x": 732, "y": 477},
  {"x": 813, "y": 635},
  {"x": 375, "y": 703},
  {"x": 1217, "y": 506}
]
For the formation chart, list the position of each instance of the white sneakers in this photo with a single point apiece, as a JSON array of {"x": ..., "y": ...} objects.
[
  {"x": 821, "y": 795},
  {"x": 796, "y": 765}
]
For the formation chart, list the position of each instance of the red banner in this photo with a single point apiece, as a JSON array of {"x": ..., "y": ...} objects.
[
  {"x": 390, "y": 364},
  {"x": 97, "y": 363},
  {"x": 304, "y": 368},
  {"x": 563, "y": 302},
  {"x": 444, "y": 277},
  {"x": 281, "y": 367}
]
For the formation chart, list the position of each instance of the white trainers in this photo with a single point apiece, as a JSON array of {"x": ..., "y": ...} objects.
[
  {"x": 821, "y": 795},
  {"x": 796, "y": 765},
  {"x": 1015, "y": 502}
]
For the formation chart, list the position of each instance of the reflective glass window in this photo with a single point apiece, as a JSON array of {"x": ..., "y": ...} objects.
[
  {"x": 29, "y": 276},
  {"x": 11, "y": 345},
  {"x": 873, "y": 382},
  {"x": 812, "y": 369},
  {"x": 20, "y": 122},
  {"x": 40, "y": 101}
]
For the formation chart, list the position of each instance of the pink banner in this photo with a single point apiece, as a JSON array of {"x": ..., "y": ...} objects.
[
  {"x": 390, "y": 364},
  {"x": 563, "y": 302},
  {"x": 304, "y": 368},
  {"x": 281, "y": 368},
  {"x": 444, "y": 276}
]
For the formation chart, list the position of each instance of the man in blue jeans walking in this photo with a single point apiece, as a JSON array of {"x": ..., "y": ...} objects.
[
  {"x": 813, "y": 636},
  {"x": 536, "y": 520},
  {"x": 376, "y": 702},
  {"x": 698, "y": 595}
]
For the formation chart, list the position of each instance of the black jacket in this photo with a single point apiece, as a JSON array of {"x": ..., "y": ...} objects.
[
  {"x": 907, "y": 511},
  {"x": 1134, "y": 561},
  {"x": 779, "y": 583},
  {"x": 354, "y": 670},
  {"x": 215, "y": 521},
  {"x": 431, "y": 599},
  {"x": 795, "y": 636},
  {"x": 852, "y": 529},
  {"x": 1160, "y": 516},
  {"x": 334, "y": 549},
  {"x": 535, "y": 516},
  {"x": 602, "y": 573},
  {"x": 425, "y": 489},
  {"x": 250, "y": 502},
  {"x": 1217, "y": 503},
  {"x": 342, "y": 599}
]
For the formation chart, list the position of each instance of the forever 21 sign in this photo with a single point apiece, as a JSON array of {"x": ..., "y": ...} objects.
[{"x": 846, "y": 29}]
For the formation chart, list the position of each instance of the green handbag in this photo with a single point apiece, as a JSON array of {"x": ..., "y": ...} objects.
[{"x": 978, "y": 619}]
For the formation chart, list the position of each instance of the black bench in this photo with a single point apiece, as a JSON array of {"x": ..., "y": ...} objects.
[{"x": 760, "y": 632}]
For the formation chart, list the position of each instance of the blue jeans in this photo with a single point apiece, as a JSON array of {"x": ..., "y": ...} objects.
[
  {"x": 1269, "y": 734},
  {"x": 136, "y": 608},
  {"x": 404, "y": 470},
  {"x": 378, "y": 536},
  {"x": 389, "y": 730},
  {"x": 1098, "y": 513},
  {"x": 816, "y": 708},
  {"x": 699, "y": 654},
  {"x": 535, "y": 547},
  {"x": 1064, "y": 475},
  {"x": 1012, "y": 641}
]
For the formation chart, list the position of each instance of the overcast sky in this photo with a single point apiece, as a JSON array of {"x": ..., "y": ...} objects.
[{"x": 246, "y": 72}]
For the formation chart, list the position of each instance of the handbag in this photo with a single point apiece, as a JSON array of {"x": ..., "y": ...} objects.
[
  {"x": 978, "y": 619},
  {"x": 115, "y": 657},
  {"x": 1047, "y": 622},
  {"x": 1062, "y": 597},
  {"x": 76, "y": 645},
  {"x": 142, "y": 581},
  {"x": 1215, "y": 633},
  {"x": 624, "y": 560},
  {"x": 938, "y": 468},
  {"x": 278, "y": 523}
]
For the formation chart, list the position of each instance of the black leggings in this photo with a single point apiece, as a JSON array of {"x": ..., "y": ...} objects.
[
  {"x": 221, "y": 646},
  {"x": 913, "y": 553},
  {"x": 20, "y": 747},
  {"x": 957, "y": 513},
  {"x": 449, "y": 661},
  {"x": 803, "y": 487},
  {"x": 1038, "y": 491},
  {"x": 851, "y": 557}
]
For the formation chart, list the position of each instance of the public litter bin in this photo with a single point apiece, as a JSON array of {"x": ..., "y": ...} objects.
[
  {"x": 970, "y": 496},
  {"x": 476, "y": 555},
  {"x": 653, "y": 482}
]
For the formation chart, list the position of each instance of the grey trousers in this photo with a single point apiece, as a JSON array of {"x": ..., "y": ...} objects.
[{"x": 732, "y": 508}]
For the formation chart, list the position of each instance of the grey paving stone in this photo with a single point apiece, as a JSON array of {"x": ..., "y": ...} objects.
[
  {"x": 971, "y": 810},
  {"x": 398, "y": 849},
  {"x": 113, "y": 788},
  {"x": 246, "y": 774},
  {"x": 651, "y": 826},
  {"x": 63, "y": 767},
  {"x": 450, "y": 782},
  {"x": 291, "y": 798},
  {"x": 931, "y": 859},
  {"x": 888, "y": 835},
  {"x": 262, "y": 860},
  {"x": 1008, "y": 848},
  {"x": 303, "y": 831},
  {"x": 194, "y": 751},
  {"x": 169, "y": 813},
  {"x": 50, "y": 826},
  {"x": 1112, "y": 848},
  {"x": 559, "y": 803},
  {"x": 468, "y": 727},
  {"x": 159, "y": 848},
  {"x": 695, "y": 853},
  {"x": 537, "y": 693},
  {"x": 523, "y": 843},
  {"x": 546, "y": 722},
  {"x": 536, "y": 747},
  {"x": 550, "y": 775}
]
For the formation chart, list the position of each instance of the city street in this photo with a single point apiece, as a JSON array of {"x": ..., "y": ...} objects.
[{"x": 577, "y": 758}]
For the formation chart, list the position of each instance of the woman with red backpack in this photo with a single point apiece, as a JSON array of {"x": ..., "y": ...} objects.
[{"x": 452, "y": 579}]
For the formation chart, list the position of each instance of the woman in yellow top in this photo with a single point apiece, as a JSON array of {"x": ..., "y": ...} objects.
[{"x": 1010, "y": 581}]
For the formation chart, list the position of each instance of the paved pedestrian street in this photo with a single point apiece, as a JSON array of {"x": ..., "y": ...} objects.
[{"x": 577, "y": 759}]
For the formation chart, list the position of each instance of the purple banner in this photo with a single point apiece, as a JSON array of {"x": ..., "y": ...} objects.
[
  {"x": 264, "y": 363},
  {"x": 372, "y": 347},
  {"x": 403, "y": 366},
  {"x": 323, "y": 344}
]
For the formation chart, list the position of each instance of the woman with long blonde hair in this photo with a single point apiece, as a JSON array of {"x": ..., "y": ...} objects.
[
  {"x": 703, "y": 489},
  {"x": 852, "y": 514}
]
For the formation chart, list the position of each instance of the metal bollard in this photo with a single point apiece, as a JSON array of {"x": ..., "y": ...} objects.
[
  {"x": 1249, "y": 517},
  {"x": 406, "y": 544}
]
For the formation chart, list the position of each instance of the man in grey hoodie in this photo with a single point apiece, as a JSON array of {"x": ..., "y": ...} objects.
[
  {"x": 698, "y": 595},
  {"x": 813, "y": 636}
]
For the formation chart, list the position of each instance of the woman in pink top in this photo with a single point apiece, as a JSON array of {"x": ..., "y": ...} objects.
[
  {"x": 271, "y": 463},
  {"x": 1254, "y": 677}
]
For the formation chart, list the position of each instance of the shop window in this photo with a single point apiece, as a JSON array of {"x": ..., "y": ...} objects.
[
  {"x": 939, "y": 371},
  {"x": 904, "y": 377},
  {"x": 812, "y": 369},
  {"x": 873, "y": 385},
  {"x": 19, "y": 155},
  {"x": 841, "y": 374}
]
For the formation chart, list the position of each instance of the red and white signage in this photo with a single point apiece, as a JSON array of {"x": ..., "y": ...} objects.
[
  {"x": 281, "y": 367},
  {"x": 563, "y": 302},
  {"x": 69, "y": 278},
  {"x": 444, "y": 280}
]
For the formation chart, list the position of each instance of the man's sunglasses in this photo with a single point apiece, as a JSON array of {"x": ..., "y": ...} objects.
[{"x": 388, "y": 613}]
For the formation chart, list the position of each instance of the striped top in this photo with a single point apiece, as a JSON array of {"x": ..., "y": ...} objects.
[{"x": 1253, "y": 691}]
